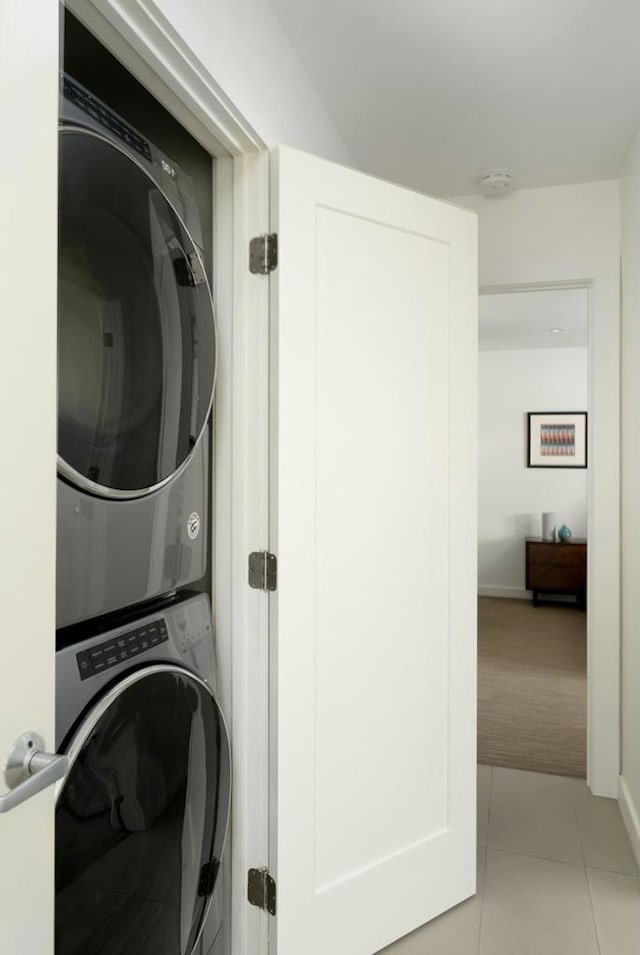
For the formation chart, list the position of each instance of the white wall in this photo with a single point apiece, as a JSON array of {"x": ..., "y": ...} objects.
[
  {"x": 630, "y": 482},
  {"x": 511, "y": 496},
  {"x": 535, "y": 232},
  {"x": 243, "y": 47}
]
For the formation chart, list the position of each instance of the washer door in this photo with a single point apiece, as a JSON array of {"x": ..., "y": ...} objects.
[
  {"x": 136, "y": 331},
  {"x": 141, "y": 818}
]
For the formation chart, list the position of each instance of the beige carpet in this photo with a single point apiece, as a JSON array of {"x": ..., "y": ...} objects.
[{"x": 532, "y": 687}]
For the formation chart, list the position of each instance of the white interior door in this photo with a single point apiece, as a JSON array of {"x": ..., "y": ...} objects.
[
  {"x": 28, "y": 250},
  {"x": 373, "y": 628}
]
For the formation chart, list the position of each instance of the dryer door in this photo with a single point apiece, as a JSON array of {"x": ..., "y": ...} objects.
[
  {"x": 136, "y": 332},
  {"x": 141, "y": 818}
]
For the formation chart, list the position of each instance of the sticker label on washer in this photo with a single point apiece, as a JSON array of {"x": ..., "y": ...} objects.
[{"x": 193, "y": 525}]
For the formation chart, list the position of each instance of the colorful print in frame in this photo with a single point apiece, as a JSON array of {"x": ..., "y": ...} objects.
[{"x": 557, "y": 439}]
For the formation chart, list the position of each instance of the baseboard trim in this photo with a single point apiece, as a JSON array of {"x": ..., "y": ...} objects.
[
  {"x": 630, "y": 816},
  {"x": 512, "y": 593}
]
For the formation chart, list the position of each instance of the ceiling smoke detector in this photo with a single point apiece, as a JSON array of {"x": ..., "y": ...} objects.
[{"x": 496, "y": 182}]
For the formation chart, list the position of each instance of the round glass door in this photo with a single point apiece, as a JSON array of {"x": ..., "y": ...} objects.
[
  {"x": 141, "y": 819},
  {"x": 136, "y": 331}
]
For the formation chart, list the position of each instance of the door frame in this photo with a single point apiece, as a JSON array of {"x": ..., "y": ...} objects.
[
  {"x": 601, "y": 279},
  {"x": 145, "y": 42}
]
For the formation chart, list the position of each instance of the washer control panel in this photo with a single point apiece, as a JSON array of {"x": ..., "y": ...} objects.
[
  {"x": 121, "y": 648},
  {"x": 175, "y": 632}
]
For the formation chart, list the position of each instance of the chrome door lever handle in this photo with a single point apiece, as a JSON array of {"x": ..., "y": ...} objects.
[{"x": 29, "y": 770}]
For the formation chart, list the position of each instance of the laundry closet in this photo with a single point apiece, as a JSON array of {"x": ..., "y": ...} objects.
[
  {"x": 142, "y": 815},
  {"x": 266, "y": 490}
]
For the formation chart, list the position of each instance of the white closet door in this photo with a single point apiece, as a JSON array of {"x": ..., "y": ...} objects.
[
  {"x": 28, "y": 252},
  {"x": 373, "y": 628}
]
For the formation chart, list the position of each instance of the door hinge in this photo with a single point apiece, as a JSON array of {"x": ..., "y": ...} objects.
[
  {"x": 263, "y": 570},
  {"x": 263, "y": 254},
  {"x": 261, "y": 890}
]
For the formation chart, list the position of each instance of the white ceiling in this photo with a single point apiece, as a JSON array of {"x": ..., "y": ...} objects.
[
  {"x": 514, "y": 320},
  {"x": 432, "y": 93}
]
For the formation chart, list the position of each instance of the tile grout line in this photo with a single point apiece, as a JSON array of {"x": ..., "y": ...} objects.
[
  {"x": 486, "y": 860},
  {"x": 586, "y": 872},
  {"x": 599, "y": 868},
  {"x": 576, "y": 809},
  {"x": 530, "y": 855},
  {"x": 593, "y": 911}
]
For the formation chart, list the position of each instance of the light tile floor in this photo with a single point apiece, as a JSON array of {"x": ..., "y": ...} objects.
[{"x": 556, "y": 875}]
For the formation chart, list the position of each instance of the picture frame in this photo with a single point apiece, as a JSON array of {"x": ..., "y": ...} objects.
[{"x": 557, "y": 439}]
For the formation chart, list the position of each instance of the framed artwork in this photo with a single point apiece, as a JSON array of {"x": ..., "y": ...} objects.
[{"x": 557, "y": 439}]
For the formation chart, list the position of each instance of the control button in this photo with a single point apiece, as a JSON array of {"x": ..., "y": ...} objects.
[
  {"x": 111, "y": 660},
  {"x": 85, "y": 665},
  {"x": 99, "y": 666}
]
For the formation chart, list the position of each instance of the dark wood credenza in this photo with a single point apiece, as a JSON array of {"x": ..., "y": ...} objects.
[{"x": 556, "y": 568}]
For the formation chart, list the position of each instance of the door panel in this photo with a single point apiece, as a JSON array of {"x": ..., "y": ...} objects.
[
  {"x": 373, "y": 492},
  {"x": 29, "y": 114},
  {"x": 373, "y": 461}
]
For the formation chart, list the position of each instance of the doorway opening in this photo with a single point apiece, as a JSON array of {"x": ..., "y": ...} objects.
[{"x": 532, "y": 633}]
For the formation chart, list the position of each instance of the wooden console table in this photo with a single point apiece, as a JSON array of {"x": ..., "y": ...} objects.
[{"x": 556, "y": 568}]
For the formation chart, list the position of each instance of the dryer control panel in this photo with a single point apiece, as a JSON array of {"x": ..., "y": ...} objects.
[{"x": 121, "y": 648}]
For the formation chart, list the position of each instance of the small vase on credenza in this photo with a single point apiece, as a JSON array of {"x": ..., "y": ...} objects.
[{"x": 548, "y": 526}]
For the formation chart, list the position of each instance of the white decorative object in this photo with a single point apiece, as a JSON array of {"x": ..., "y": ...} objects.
[{"x": 548, "y": 526}]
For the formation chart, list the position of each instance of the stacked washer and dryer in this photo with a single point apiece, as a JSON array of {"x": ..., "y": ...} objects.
[{"x": 142, "y": 814}]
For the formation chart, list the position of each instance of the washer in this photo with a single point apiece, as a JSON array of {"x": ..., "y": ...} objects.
[
  {"x": 136, "y": 368},
  {"x": 142, "y": 814}
]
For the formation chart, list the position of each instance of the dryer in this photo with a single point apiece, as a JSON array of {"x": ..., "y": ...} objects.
[
  {"x": 136, "y": 368},
  {"x": 142, "y": 813}
]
